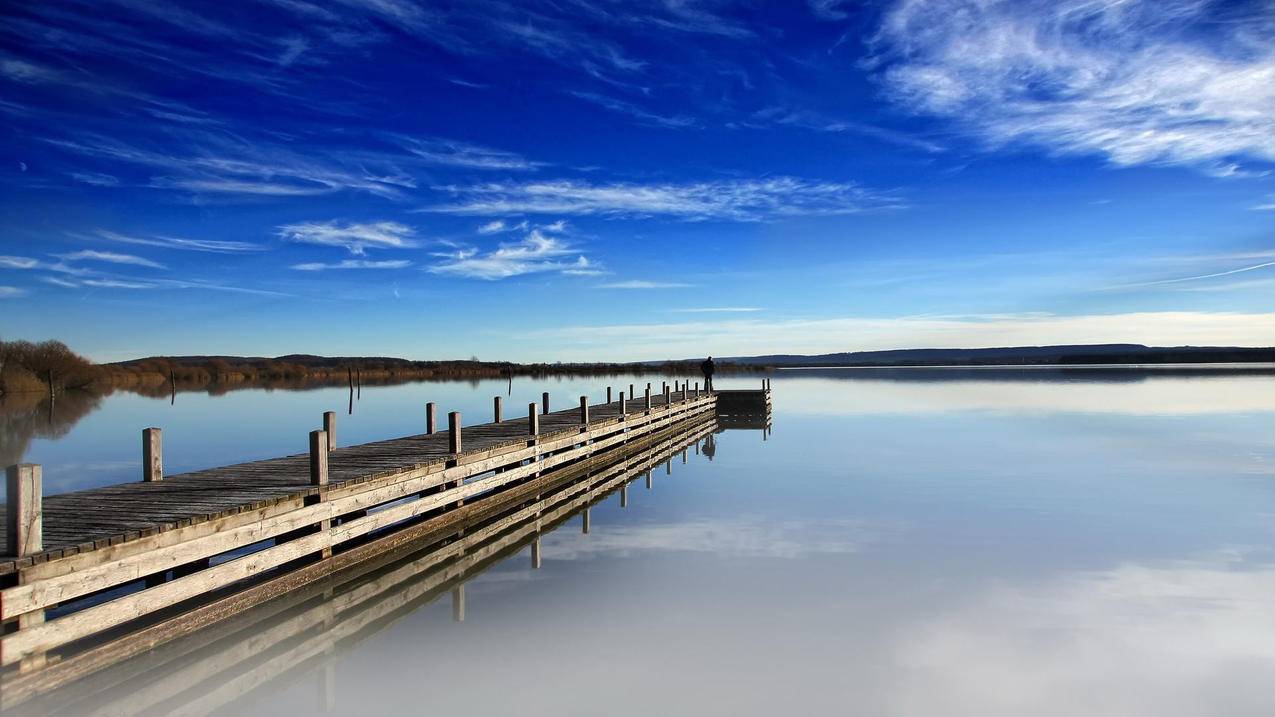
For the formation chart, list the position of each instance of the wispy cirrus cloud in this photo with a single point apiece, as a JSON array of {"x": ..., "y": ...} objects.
[
  {"x": 643, "y": 284},
  {"x": 214, "y": 246},
  {"x": 469, "y": 156},
  {"x": 535, "y": 254},
  {"x": 353, "y": 264},
  {"x": 1129, "y": 81},
  {"x": 12, "y": 292},
  {"x": 111, "y": 258},
  {"x": 354, "y": 237},
  {"x": 642, "y": 116},
  {"x": 734, "y": 200},
  {"x": 719, "y": 310}
]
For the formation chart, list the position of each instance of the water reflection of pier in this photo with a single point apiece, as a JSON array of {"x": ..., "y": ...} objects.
[{"x": 299, "y": 632}]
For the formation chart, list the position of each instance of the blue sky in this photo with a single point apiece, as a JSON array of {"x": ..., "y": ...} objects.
[{"x": 609, "y": 180}]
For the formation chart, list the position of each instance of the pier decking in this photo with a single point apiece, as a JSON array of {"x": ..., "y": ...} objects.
[{"x": 131, "y": 555}]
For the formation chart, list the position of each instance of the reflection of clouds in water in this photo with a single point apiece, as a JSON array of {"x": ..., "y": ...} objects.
[
  {"x": 1154, "y": 396},
  {"x": 741, "y": 536},
  {"x": 1169, "y": 640}
]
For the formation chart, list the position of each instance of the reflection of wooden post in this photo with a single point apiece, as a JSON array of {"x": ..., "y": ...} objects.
[
  {"x": 497, "y": 410},
  {"x": 458, "y": 603},
  {"x": 329, "y": 427},
  {"x": 648, "y": 480},
  {"x": 624, "y": 496},
  {"x": 152, "y": 454},
  {"x": 328, "y": 687},
  {"x": 668, "y": 467},
  {"x": 431, "y": 418},
  {"x": 584, "y": 523},
  {"x": 24, "y": 514},
  {"x": 453, "y": 433},
  {"x": 544, "y": 401},
  {"x": 535, "y": 553}
]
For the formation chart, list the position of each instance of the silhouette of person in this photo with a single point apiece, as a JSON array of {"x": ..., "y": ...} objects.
[{"x": 708, "y": 368}]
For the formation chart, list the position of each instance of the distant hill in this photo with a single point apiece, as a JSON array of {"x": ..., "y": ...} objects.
[{"x": 1020, "y": 355}]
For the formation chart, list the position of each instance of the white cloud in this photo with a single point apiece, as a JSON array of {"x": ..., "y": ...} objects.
[
  {"x": 743, "y": 337},
  {"x": 828, "y": 9},
  {"x": 96, "y": 179},
  {"x": 120, "y": 284},
  {"x": 11, "y": 292},
  {"x": 205, "y": 245},
  {"x": 1266, "y": 206},
  {"x": 736, "y": 200},
  {"x": 718, "y": 310},
  {"x": 19, "y": 262},
  {"x": 643, "y": 284},
  {"x": 355, "y": 237},
  {"x": 492, "y": 227},
  {"x": 354, "y": 264},
  {"x": 111, "y": 257},
  {"x": 64, "y": 283},
  {"x": 643, "y": 116},
  {"x": 1138, "y": 81},
  {"x": 470, "y": 156},
  {"x": 535, "y": 254}
]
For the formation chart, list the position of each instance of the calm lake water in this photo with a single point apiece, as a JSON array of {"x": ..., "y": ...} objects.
[{"x": 911, "y": 542}]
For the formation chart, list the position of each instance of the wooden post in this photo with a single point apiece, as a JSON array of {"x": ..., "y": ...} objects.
[
  {"x": 431, "y": 418},
  {"x": 318, "y": 458},
  {"x": 544, "y": 400},
  {"x": 697, "y": 389},
  {"x": 329, "y": 427},
  {"x": 648, "y": 398},
  {"x": 584, "y": 410},
  {"x": 623, "y": 407},
  {"x": 632, "y": 393},
  {"x": 453, "y": 433},
  {"x": 533, "y": 421},
  {"x": 24, "y": 524},
  {"x": 152, "y": 454},
  {"x": 497, "y": 409},
  {"x": 608, "y": 394}
]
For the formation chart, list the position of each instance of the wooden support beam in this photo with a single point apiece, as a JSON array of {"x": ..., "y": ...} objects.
[
  {"x": 497, "y": 409},
  {"x": 318, "y": 458},
  {"x": 544, "y": 400},
  {"x": 623, "y": 405},
  {"x": 608, "y": 394},
  {"x": 152, "y": 454},
  {"x": 431, "y": 418},
  {"x": 453, "y": 433},
  {"x": 584, "y": 410},
  {"x": 533, "y": 421},
  {"x": 329, "y": 427},
  {"x": 648, "y": 398},
  {"x": 23, "y": 510}
]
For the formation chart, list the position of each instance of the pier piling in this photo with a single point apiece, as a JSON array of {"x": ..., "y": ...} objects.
[
  {"x": 152, "y": 454},
  {"x": 329, "y": 427},
  {"x": 23, "y": 510}
]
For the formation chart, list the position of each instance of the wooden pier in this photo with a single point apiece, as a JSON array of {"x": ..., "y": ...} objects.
[{"x": 165, "y": 556}]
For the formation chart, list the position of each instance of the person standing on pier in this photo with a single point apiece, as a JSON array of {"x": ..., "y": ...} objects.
[{"x": 708, "y": 368}]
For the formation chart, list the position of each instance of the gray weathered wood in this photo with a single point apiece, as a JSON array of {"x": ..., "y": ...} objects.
[
  {"x": 584, "y": 410},
  {"x": 544, "y": 400},
  {"x": 318, "y": 458},
  {"x": 497, "y": 410},
  {"x": 152, "y": 454},
  {"x": 431, "y": 418},
  {"x": 329, "y": 427},
  {"x": 24, "y": 526},
  {"x": 533, "y": 420},
  {"x": 453, "y": 433}
]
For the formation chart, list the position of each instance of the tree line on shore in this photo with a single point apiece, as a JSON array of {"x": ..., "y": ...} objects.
[{"x": 51, "y": 366}]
